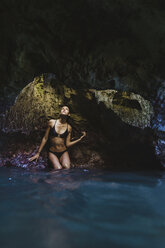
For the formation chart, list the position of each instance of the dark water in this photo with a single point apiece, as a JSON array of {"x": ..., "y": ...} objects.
[{"x": 81, "y": 208}]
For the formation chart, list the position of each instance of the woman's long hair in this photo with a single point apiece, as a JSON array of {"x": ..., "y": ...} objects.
[{"x": 70, "y": 121}]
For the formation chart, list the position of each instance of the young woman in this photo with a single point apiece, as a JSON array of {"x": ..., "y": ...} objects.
[{"x": 60, "y": 139}]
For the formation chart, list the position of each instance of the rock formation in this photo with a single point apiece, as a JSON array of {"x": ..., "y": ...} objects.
[{"x": 117, "y": 125}]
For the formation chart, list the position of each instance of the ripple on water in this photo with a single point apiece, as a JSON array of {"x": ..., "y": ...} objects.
[{"x": 79, "y": 208}]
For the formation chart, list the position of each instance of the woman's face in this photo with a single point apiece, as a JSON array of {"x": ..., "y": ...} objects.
[{"x": 65, "y": 110}]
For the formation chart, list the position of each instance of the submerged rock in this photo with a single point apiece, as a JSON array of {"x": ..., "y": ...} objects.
[{"x": 117, "y": 125}]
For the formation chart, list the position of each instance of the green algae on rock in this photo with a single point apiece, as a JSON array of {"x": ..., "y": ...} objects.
[{"x": 37, "y": 103}]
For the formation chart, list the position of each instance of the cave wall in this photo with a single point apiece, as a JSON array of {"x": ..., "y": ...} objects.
[{"x": 86, "y": 43}]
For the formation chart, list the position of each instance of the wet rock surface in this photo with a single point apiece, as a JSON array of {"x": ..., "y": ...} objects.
[{"x": 158, "y": 122}]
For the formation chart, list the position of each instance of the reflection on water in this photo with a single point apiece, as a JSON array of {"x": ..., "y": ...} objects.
[{"x": 81, "y": 208}]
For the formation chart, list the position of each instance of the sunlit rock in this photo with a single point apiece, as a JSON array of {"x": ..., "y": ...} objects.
[{"x": 131, "y": 108}]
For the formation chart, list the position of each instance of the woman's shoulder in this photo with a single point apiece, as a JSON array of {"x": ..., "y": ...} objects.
[
  {"x": 51, "y": 122},
  {"x": 69, "y": 127}
]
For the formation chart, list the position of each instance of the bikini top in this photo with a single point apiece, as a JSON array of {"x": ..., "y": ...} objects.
[{"x": 55, "y": 134}]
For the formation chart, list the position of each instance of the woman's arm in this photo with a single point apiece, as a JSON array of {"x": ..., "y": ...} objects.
[
  {"x": 68, "y": 138},
  {"x": 43, "y": 142}
]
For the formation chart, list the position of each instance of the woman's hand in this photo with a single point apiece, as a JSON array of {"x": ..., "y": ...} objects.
[
  {"x": 36, "y": 156},
  {"x": 84, "y": 134}
]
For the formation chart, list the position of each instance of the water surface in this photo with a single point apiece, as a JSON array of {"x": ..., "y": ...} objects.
[{"x": 81, "y": 208}]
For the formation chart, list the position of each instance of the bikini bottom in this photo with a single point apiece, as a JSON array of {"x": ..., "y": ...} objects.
[{"x": 58, "y": 154}]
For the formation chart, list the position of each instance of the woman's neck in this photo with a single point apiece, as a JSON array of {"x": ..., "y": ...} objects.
[{"x": 63, "y": 119}]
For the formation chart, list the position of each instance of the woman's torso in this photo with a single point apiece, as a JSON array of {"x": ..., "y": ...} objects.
[{"x": 57, "y": 135}]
